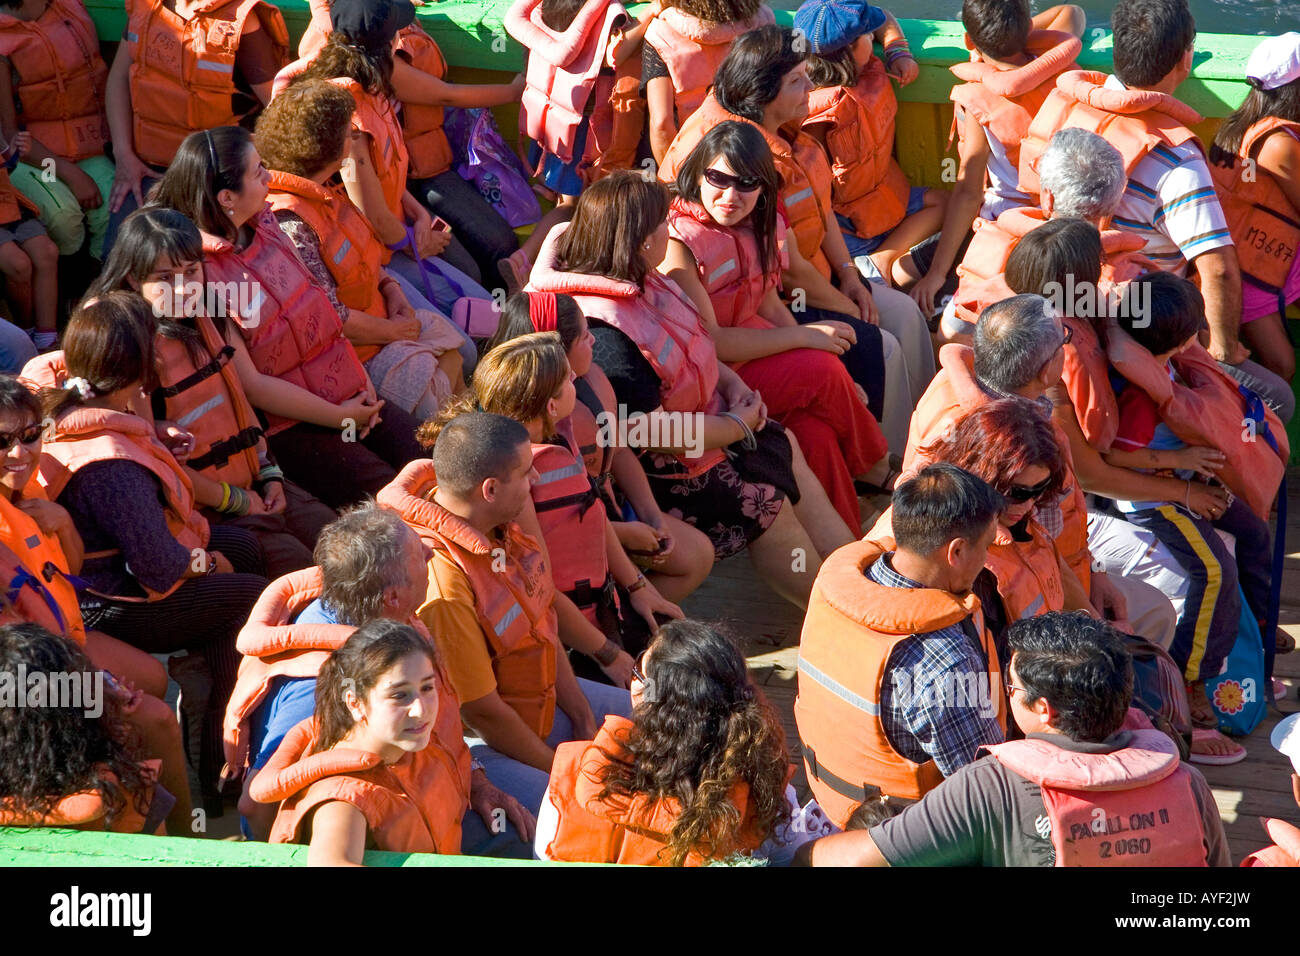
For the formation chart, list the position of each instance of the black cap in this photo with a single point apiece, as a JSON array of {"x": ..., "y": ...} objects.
[{"x": 371, "y": 23}]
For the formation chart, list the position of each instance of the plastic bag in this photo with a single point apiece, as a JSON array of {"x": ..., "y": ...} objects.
[
  {"x": 1238, "y": 694},
  {"x": 490, "y": 165}
]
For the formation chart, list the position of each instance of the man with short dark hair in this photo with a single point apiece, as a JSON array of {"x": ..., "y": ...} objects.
[
  {"x": 1092, "y": 784},
  {"x": 1171, "y": 197},
  {"x": 490, "y": 603},
  {"x": 898, "y": 678}
]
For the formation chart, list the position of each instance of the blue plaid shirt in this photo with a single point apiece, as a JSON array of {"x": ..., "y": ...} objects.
[{"x": 936, "y": 703}]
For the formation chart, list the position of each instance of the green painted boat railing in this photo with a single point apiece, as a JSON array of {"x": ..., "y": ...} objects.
[{"x": 49, "y": 847}]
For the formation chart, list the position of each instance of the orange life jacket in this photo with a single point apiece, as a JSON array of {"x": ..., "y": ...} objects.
[
  {"x": 801, "y": 161},
  {"x": 276, "y": 646},
  {"x": 83, "y": 436},
  {"x": 34, "y": 574},
  {"x": 659, "y": 319},
  {"x": 1264, "y": 223},
  {"x": 1133, "y": 121},
  {"x": 12, "y": 202},
  {"x": 422, "y": 125},
  {"x": 851, "y": 628},
  {"x": 867, "y": 184},
  {"x": 617, "y": 122},
  {"x": 563, "y": 69},
  {"x": 693, "y": 49},
  {"x": 349, "y": 247},
  {"x": 208, "y": 401},
  {"x": 376, "y": 117},
  {"x": 292, "y": 329},
  {"x": 951, "y": 394},
  {"x": 621, "y": 829},
  {"x": 1004, "y": 102},
  {"x": 1286, "y": 846},
  {"x": 514, "y": 596},
  {"x": 183, "y": 70},
  {"x": 727, "y": 262},
  {"x": 86, "y": 810},
  {"x": 59, "y": 90},
  {"x": 412, "y": 806},
  {"x": 572, "y": 518},
  {"x": 1086, "y": 378},
  {"x": 1132, "y": 807},
  {"x": 1206, "y": 407}
]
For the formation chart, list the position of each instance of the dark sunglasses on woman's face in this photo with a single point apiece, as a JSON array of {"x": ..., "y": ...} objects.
[
  {"x": 28, "y": 436},
  {"x": 1023, "y": 493},
  {"x": 720, "y": 180}
]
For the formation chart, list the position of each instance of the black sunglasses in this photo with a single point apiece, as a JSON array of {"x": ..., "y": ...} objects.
[
  {"x": 1022, "y": 493},
  {"x": 720, "y": 180},
  {"x": 28, "y": 436},
  {"x": 636, "y": 668}
]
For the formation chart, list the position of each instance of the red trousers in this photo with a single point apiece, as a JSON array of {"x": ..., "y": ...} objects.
[{"x": 810, "y": 393}]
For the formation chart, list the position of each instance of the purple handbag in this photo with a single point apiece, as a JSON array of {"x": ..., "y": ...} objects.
[{"x": 491, "y": 165}]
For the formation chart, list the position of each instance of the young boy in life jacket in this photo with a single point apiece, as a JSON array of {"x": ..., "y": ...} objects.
[
  {"x": 1180, "y": 429},
  {"x": 574, "y": 48},
  {"x": 851, "y": 113},
  {"x": 1263, "y": 208},
  {"x": 1086, "y": 757},
  {"x": 491, "y": 603},
  {"x": 1014, "y": 63}
]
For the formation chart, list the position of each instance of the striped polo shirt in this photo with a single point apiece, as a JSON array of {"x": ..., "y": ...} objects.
[{"x": 1170, "y": 200}]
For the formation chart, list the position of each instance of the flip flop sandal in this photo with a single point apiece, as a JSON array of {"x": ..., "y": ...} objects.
[
  {"x": 869, "y": 490},
  {"x": 1215, "y": 760}
]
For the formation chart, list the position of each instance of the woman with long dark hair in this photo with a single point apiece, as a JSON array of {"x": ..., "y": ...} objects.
[
  {"x": 201, "y": 362},
  {"x": 764, "y": 82},
  {"x": 698, "y": 774},
  {"x": 726, "y": 247},
  {"x": 293, "y": 332},
  {"x": 683, "y": 405},
  {"x": 66, "y": 766},
  {"x": 1262, "y": 137}
]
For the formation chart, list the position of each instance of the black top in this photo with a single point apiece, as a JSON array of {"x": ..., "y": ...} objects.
[{"x": 636, "y": 385}]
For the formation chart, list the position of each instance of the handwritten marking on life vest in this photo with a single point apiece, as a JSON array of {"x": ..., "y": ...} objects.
[
  {"x": 499, "y": 564},
  {"x": 48, "y": 171},
  {"x": 75, "y": 909},
  {"x": 798, "y": 559},
  {"x": 948, "y": 170},
  {"x": 1104, "y": 825},
  {"x": 799, "y": 300}
]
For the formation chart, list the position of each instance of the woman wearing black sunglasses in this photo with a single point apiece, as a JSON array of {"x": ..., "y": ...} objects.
[
  {"x": 1011, "y": 445},
  {"x": 726, "y": 248}
]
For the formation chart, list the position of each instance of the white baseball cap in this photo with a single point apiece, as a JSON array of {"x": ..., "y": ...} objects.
[
  {"x": 1285, "y": 739},
  {"x": 1276, "y": 61}
]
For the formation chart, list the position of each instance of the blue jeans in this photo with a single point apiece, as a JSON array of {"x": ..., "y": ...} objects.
[
  {"x": 528, "y": 784},
  {"x": 859, "y": 246}
]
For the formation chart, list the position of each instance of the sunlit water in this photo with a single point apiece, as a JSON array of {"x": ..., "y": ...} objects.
[{"x": 1212, "y": 16}]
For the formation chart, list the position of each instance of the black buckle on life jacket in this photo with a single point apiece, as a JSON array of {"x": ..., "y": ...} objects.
[
  {"x": 836, "y": 783},
  {"x": 583, "y": 594},
  {"x": 224, "y": 450},
  {"x": 189, "y": 381},
  {"x": 584, "y": 498}
]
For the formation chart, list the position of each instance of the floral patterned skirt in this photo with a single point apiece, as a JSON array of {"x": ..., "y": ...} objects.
[{"x": 736, "y": 500}]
